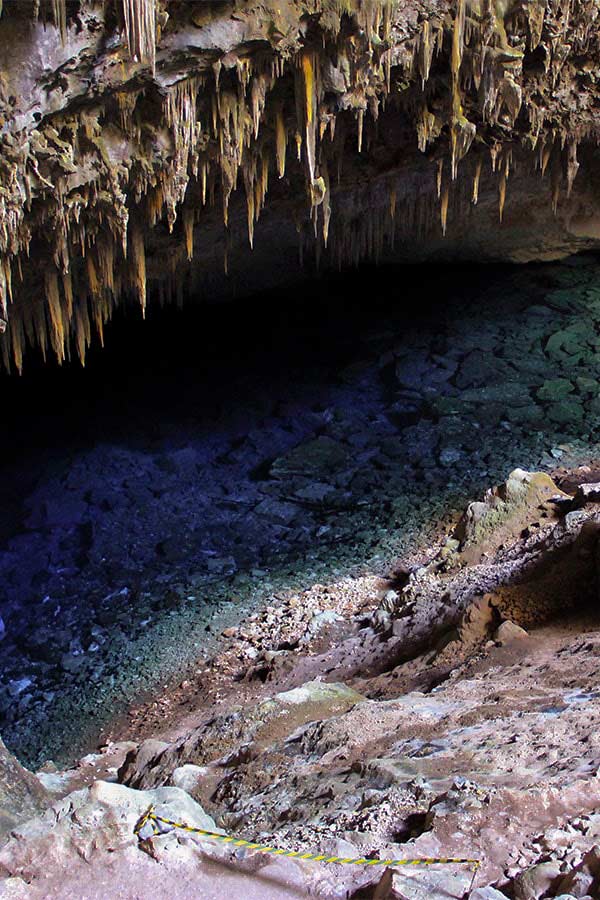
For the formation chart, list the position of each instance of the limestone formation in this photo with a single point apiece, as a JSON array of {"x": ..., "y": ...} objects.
[{"x": 366, "y": 129}]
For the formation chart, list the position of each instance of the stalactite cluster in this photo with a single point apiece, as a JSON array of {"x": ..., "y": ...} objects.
[{"x": 473, "y": 84}]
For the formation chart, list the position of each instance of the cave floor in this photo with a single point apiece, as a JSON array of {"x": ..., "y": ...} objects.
[{"x": 127, "y": 554}]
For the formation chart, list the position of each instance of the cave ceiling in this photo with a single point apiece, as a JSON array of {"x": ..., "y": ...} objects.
[{"x": 162, "y": 149}]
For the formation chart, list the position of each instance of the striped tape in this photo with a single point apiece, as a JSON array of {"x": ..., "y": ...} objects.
[{"x": 151, "y": 818}]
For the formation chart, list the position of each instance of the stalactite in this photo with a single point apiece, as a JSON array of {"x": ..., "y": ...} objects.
[
  {"x": 439, "y": 174},
  {"x": 105, "y": 251},
  {"x": 40, "y": 328},
  {"x": 308, "y": 63},
  {"x": 463, "y": 135},
  {"x": 140, "y": 29},
  {"x": 249, "y": 176},
  {"x": 17, "y": 339},
  {"x": 476, "y": 180},
  {"x": 458, "y": 34},
  {"x": 393, "y": 204},
  {"x": 5, "y": 291},
  {"x": 126, "y": 102},
  {"x": 360, "y": 118},
  {"x": 326, "y": 202},
  {"x": 494, "y": 151},
  {"x": 425, "y": 53},
  {"x": 181, "y": 112},
  {"x": 535, "y": 11},
  {"x": 427, "y": 129},
  {"x": 188, "y": 227},
  {"x": 57, "y": 329},
  {"x": 556, "y": 175},
  {"x": 572, "y": 166},
  {"x": 67, "y": 283},
  {"x": 59, "y": 13},
  {"x": 92, "y": 276},
  {"x": 280, "y": 141},
  {"x": 445, "y": 196},
  {"x": 211, "y": 132},
  {"x": 81, "y": 329},
  {"x": 138, "y": 264},
  {"x": 502, "y": 194}
]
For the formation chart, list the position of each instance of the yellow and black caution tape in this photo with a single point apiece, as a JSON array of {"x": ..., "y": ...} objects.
[{"x": 152, "y": 819}]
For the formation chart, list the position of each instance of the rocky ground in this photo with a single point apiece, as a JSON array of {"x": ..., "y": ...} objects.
[
  {"x": 451, "y": 712},
  {"x": 125, "y": 556}
]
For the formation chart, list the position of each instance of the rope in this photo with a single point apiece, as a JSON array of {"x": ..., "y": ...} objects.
[{"x": 151, "y": 818}]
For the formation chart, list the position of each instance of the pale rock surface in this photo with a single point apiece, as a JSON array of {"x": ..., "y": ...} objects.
[
  {"x": 21, "y": 794},
  {"x": 487, "y": 893},
  {"x": 508, "y": 631}
]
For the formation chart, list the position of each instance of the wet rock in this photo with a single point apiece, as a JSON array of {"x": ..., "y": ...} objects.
[
  {"x": 320, "y": 457},
  {"x": 19, "y": 685},
  {"x": 555, "y": 389},
  {"x": 566, "y": 342},
  {"x": 221, "y": 566},
  {"x": 418, "y": 369},
  {"x": 315, "y": 493},
  {"x": 72, "y": 663},
  {"x": 450, "y": 455},
  {"x": 586, "y": 385},
  {"x": 278, "y": 511},
  {"x": 479, "y": 368},
  {"x": 505, "y": 393},
  {"x": 566, "y": 412}
]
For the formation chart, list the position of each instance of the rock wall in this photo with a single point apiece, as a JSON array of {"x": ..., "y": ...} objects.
[{"x": 140, "y": 143}]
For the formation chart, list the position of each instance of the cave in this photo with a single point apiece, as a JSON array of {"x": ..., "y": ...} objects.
[{"x": 300, "y": 515}]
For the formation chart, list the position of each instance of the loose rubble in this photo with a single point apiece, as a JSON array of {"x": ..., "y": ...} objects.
[{"x": 429, "y": 723}]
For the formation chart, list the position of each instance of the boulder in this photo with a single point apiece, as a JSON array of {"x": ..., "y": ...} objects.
[
  {"x": 317, "y": 458},
  {"x": 555, "y": 389},
  {"x": 423, "y": 884},
  {"x": 22, "y": 795},
  {"x": 508, "y": 631},
  {"x": 585, "y": 878},
  {"x": 336, "y": 694},
  {"x": 536, "y": 881},
  {"x": 95, "y": 819},
  {"x": 188, "y": 777},
  {"x": 504, "y": 512},
  {"x": 139, "y": 759}
]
